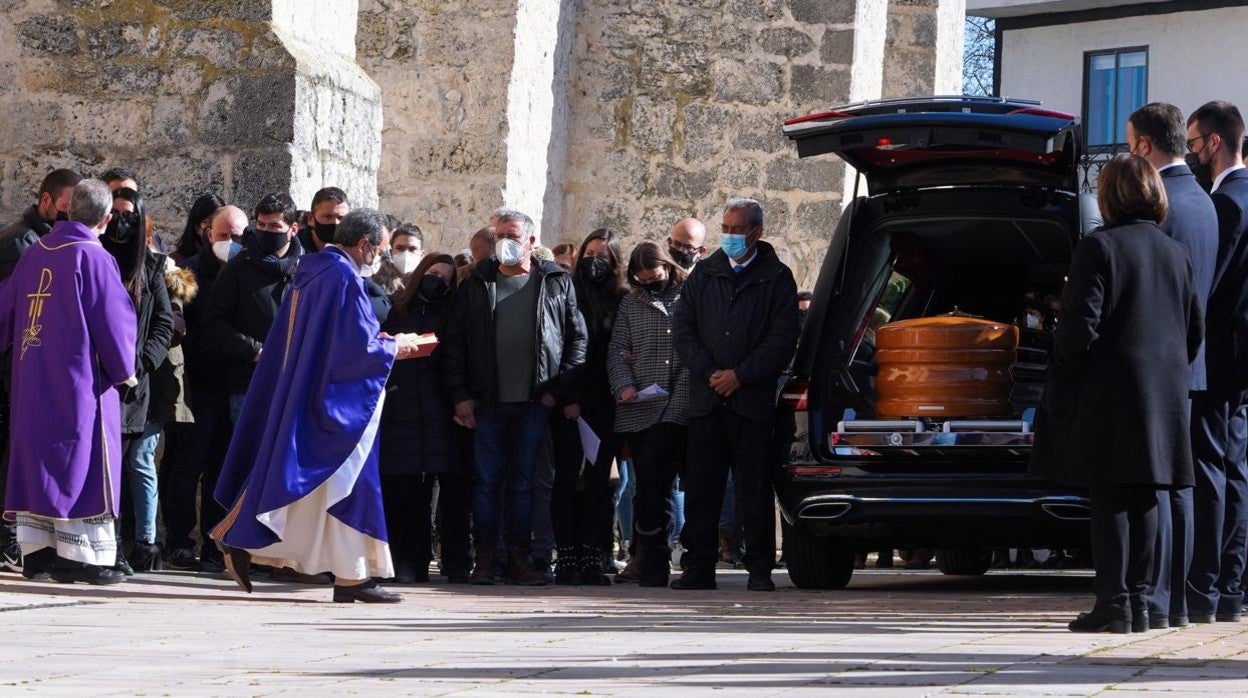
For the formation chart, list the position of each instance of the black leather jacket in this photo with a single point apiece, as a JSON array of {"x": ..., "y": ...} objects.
[{"x": 468, "y": 348}]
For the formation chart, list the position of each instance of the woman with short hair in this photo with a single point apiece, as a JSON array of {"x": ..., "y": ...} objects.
[{"x": 1114, "y": 416}]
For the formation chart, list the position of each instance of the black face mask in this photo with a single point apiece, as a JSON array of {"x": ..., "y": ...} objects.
[
  {"x": 595, "y": 268},
  {"x": 269, "y": 243},
  {"x": 684, "y": 259},
  {"x": 432, "y": 287},
  {"x": 1204, "y": 173},
  {"x": 325, "y": 231},
  {"x": 62, "y": 216},
  {"x": 123, "y": 226},
  {"x": 656, "y": 288}
]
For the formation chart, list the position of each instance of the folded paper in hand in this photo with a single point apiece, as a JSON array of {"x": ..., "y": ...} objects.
[
  {"x": 589, "y": 440},
  {"x": 651, "y": 392}
]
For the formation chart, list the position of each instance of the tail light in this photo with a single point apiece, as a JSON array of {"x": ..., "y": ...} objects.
[{"x": 793, "y": 396}]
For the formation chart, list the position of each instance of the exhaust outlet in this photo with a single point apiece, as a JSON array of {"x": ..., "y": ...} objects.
[{"x": 825, "y": 510}]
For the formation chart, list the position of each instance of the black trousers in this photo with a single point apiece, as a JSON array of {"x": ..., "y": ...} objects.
[
  {"x": 1220, "y": 516},
  {"x": 408, "y": 501},
  {"x": 719, "y": 442},
  {"x": 1124, "y": 538},
  {"x": 580, "y": 501},
  {"x": 658, "y": 457},
  {"x": 192, "y": 463}
]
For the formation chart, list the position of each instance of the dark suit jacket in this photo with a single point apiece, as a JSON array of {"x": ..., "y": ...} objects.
[
  {"x": 1193, "y": 222},
  {"x": 1227, "y": 349},
  {"x": 1114, "y": 410}
]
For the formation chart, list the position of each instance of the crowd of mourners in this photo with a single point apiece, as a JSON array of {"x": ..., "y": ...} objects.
[{"x": 574, "y": 415}]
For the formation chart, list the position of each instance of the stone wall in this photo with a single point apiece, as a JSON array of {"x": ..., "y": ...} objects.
[
  {"x": 444, "y": 70},
  {"x": 231, "y": 96},
  {"x": 923, "y": 53}
]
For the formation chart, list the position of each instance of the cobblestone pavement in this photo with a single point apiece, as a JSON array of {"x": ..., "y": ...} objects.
[{"x": 890, "y": 633}]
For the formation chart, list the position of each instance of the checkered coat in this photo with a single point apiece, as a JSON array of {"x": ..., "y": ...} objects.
[{"x": 641, "y": 354}]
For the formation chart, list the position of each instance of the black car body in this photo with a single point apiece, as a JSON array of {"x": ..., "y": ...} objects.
[{"x": 973, "y": 204}]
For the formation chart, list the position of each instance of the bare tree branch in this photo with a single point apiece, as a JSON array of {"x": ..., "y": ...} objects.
[{"x": 978, "y": 59}]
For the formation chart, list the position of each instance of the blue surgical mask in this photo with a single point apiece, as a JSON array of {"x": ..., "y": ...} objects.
[{"x": 734, "y": 246}]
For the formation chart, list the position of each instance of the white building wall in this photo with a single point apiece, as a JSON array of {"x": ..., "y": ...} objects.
[{"x": 1193, "y": 57}]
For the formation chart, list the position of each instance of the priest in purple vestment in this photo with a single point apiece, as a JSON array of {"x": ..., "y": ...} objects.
[
  {"x": 301, "y": 481},
  {"x": 71, "y": 327}
]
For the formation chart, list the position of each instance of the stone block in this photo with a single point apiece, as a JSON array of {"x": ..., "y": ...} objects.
[
  {"x": 262, "y": 171},
  {"x": 132, "y": 78},
  {"x": 761, "y": 131},
  {"x": 249, "y": 110},
  {"x": 704, "y": 129},
  {"x": 43, "y": 121},
  {"x": 219, "y": 47},
  {"x": 810, "y": 174},
  {"x": 757, "y": 10},
  {"x": 786, "y": 41},
  {"x": 837, "y": 46},
  {"x": 94, "y": 122},
  {"x": 823, "y": 11},
  {"x": 775, "y": 215},
  {"x": 670, "y": 182},
  {"x": 908, "y": 73},
  {"x": 53, "y": 34},
  {"x": 925, "y": 29},
  {"x": 737, "y": 174},
  {"x": 243, "y": 10},
  {"x": 171, "y": 184},
  {"x": 754, "y": 82},
  {"x": 815, "y": 86},
  {"x": 695, "y": 28},
  {"x": 113, "y": 39},
  {"x": 817, "y": 219},
  {"x": 657, "y": 221},
  {"x": 652, "y": 123}
]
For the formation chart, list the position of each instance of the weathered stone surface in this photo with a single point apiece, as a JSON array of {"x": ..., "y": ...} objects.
[
  {"x": 54, "y": 34},
  {"x": 837, "y": 46},
  {"x": 822, "y": 11},
  {"x": 810, "y": 174},
  {"x": 816, "y": 86},
  {"x": 754, "y": 82},
  {"x": 671, "y": 182},
  {"x": 653, "y": 123},
  {"x": 786, "y": 41}
]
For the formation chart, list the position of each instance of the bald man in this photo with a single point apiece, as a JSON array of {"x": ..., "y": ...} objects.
[
  {"x": 228, "y": 223},
  {"x": 687, "y": 242}
]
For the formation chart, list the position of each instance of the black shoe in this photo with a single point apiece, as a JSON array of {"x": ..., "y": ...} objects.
[
  {"x": 291, "y": 576},
  {"x": 37, "y": 575},
  {"x": 1154, "y": 623},
  {"x": 211, "y": 565},
  {"x": 760, "y": 581},
  {"x": 1096, "y": 622},
  {"x": 691, "y": 580},
  {"x": 181, "y": 559},
  {"x": 406, "y": 574},
  {"x": 1139, "y": 620},
  {"x": 1229, "y": 617},
  {"x": 123, "y": 566},
  {"x": 368, "y": 592},
  {"x": 145, "y": 557},
  {"x": 1178, "y": 621},
  {"x": 89, "y": 574},
  {"x": 1201, "y": 618},
  {"x": 456, "y": 576},
  {"x": 37, "y": 566},
  {"x": 238, "y": 564}
]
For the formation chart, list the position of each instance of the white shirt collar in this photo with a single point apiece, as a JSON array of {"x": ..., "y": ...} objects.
[
  {"x": 748, "y": 261},
  {"x": 1217, "y": 181}
]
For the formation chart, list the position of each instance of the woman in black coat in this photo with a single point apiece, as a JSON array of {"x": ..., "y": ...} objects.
[
  {"x": 419, "y": 441},
  {"x": 1114, "y": 416},
  {"x": 143, "y": 275},
  {"x": 580, "y": 507}
]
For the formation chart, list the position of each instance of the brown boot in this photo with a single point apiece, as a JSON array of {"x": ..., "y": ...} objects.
[
  {"x": 520, "y": 571},
  {"x": 483, "y": 572}
]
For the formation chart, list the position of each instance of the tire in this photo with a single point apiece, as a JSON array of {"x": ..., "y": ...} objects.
[
  {"x": 970, "y": 562},
  {"x": 815, "y": 562}
]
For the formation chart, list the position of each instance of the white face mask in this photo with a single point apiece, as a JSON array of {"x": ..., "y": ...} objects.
[
  {"x": 372, "y": 268},
  {"x": 224, "y": 250},
  {"x": 406, "y": 262},
  {"x": 510, "y": 252}
]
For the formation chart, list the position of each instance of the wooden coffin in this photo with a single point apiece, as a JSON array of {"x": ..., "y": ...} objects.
[{"x": 945, "y": 367}]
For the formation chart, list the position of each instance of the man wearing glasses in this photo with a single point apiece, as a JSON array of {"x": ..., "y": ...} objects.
[
  {"x": 687, "y": 242},
  {"x": 1215, "y": 135}
]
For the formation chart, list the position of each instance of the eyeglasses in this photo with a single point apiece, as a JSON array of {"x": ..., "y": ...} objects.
[
  {"x": 681, "y": 246},
  {"x": 1197, "y": 139}
]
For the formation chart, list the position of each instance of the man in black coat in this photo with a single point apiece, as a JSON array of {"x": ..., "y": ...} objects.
[
  {"x": 54, "y": 195},
  {"x": 513, "y": 337},
  {"x": 246, "y": 296},
  {"x": 1215, "y": 583},
  {"x": 1157, "y": 133},
  {"x": 735, "y": 328}
]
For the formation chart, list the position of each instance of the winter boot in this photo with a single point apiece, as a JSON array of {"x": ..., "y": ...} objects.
[
  {"x": 591, "y": 567},
  {"x": 653, "y": 569},
  {"x": 483, "y": 572},
  {"x": 567, "y": 565},
  {"x": 520, "y": 571}
]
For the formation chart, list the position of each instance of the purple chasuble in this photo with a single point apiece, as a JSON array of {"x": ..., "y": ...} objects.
[
  {"x": 71, "y": 327},
  {"x": 311, "y": 411}
]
